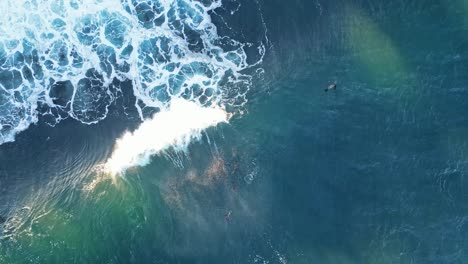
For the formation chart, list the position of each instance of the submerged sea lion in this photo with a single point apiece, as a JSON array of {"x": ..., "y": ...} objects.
[
  {"x": 331, "y": 87},
  {"x": 2, "y": 220},
  {"x": 227, "y": 216}
]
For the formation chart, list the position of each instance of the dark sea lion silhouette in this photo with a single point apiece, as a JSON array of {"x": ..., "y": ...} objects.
[
  {"x": 2, "y": 220},
  {"x": 331, "y": 87}
]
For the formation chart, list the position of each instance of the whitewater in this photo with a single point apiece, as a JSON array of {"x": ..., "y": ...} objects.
[
  {"x": 66, "y": 59},
  {"x": 174, "y": 127}
]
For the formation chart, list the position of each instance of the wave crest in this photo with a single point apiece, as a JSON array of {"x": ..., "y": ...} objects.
[{"x": 174, "y": 127}]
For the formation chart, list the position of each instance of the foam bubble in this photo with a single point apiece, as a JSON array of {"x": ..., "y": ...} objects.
[{"x": 174, "y": 127}]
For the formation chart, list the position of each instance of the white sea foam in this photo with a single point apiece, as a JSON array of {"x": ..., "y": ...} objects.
[
  {"x": 60, "y": 58},
  {"x": 175, "y": 127}
]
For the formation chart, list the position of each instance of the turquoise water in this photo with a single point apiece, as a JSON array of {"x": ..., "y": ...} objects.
[{"x": 373, "y": 172}]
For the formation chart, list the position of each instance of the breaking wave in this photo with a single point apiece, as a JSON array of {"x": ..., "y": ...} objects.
[
  {"x": 173, "y": 127},
  {"x": 67, "y": 58}
]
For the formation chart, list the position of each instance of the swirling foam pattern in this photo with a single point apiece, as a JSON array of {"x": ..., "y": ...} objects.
[{"x": 63, "y": 57}]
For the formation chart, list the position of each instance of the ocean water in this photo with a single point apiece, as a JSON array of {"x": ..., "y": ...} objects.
[{"x": 262, "y": 166}]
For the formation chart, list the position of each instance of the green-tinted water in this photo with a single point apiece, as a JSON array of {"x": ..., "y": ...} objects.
[{"x": 373, "y": 172}]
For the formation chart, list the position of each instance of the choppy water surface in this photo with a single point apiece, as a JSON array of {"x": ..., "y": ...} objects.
[{"x": 373, "y": 172}]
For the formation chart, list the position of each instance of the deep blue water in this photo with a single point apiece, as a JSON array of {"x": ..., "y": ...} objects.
[{"x": 373, "y": 172}]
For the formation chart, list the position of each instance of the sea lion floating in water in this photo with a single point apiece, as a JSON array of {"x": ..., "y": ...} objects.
[
  {"x": 330, "y": 87},
  {"x": 2, "y": 220},
  {"x": 227, "y": 216}
]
